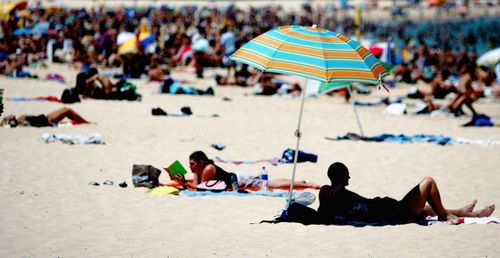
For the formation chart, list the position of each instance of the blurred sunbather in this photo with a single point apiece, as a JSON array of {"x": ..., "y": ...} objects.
[
  {"x": 42, "y": 120},
  {"x": 91, "y": 84},
  {"x": 442, "y": 84},
  {"x": 336, "y": 200},
  {"x": 466, "y": 94},
  {"x": 13, "y": 67},
  {"x": 171, "y": 86},
  {"x": 204, "y": 170},
  {"x": 243, "y": 76}
]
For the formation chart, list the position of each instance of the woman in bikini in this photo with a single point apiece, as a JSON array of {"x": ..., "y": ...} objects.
[
  {"x": 42, "y": 120},
  {"x": 204, "y": 170}
]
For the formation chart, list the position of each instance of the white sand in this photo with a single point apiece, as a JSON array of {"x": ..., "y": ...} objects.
[{"x": 49, "y": 210}]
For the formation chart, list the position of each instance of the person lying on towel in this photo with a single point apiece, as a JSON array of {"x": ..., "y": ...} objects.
[
  {"x": 336, "y": 201},
  {"x": 42, "y": 120},
  {"x": 204, "y": 170}
]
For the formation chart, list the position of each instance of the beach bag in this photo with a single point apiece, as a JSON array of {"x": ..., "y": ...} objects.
[
  {"x": 212, "y": 185},
  {"x": 289, "y": 155},
  {"x": 126, "y": 91},
  {"x": 229, "y": 179},
  {"x": 145, "y": 176},
  {"x": 70, "y": 95},
  {"x": 480, "y": 120},
  {"x": 300, "y": 214}
]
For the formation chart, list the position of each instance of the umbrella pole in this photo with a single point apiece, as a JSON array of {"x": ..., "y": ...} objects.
[
  {"x": 355, "y": 110},
  {"x": 298, "y": 134}
]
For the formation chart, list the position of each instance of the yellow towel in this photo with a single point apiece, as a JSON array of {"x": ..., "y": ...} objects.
[{"x": 163, "y": 190}]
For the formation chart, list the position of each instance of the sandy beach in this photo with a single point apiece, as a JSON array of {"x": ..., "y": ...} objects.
[{"x": 49, "y": 210}]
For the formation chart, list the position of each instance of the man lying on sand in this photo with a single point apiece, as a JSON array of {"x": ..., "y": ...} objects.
[{"x": 336, "y": 200}]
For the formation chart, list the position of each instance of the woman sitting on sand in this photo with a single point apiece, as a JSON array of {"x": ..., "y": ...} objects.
[
  {"x": 42, "y": 120},
  {"x": 204, "y": 170},
  {"x": 337, "y": 201}
]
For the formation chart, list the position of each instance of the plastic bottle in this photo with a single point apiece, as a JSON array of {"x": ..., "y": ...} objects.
[
  {"x": 234, "y": 182},
  {"x": 263, "y": 179}
]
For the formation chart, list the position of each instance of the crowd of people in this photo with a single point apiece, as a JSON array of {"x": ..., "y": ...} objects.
[
  {"x": 150, "y": 41},
  {"x": 200, "y": 35},
  {"x": 203, "y": 36}
]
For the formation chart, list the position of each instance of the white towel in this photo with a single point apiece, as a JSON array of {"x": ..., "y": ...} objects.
[{"x": 431, "y": 220}]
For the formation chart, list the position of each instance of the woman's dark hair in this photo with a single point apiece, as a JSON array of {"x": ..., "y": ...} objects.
[
  {"x": 200, "y": 156},
  {"x": 81, "y": 79},
  {"x": 92, "y": 71}
]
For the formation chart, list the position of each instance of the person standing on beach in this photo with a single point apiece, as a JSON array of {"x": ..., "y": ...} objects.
[{"x": 336, "y": 200}]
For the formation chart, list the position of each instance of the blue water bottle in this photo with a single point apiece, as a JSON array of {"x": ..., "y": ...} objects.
[{"x": 263, "y": 179}]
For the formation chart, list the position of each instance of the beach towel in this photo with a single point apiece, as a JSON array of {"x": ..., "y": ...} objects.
[
  {"x": 431, "y": 220},
  {"x": 401, "y": 138},
  {"x": 239, "y": 193},
  {"x": 55, "y": 77},
  {"x": 163, "y": 190},
  {"x": 287, "y": 157},
  {"x": 43, "y": 98},
  {"x": 377, "y": 102},
  {"x": 272, "y": 161},
  {"x": 91, "y": 138},
  {"x": 395, "y": 109},
  {"x": 298, "y": 213}
]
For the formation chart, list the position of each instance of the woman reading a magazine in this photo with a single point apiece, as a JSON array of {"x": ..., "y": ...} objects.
[{"x": 204, "y": 170}]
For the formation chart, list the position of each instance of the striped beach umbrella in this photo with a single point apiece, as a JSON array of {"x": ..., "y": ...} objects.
[{"x": 311, "y": 53}]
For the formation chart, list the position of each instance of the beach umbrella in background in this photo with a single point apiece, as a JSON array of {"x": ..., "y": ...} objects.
[
  {"x": 127, "y": 42},
  {"x": 7, "y": 8},
  {"x": 22, "y": 31},
  {"x": 146, "y": 38},
  {"x": 123, "y": 37},
  {"x": 491, "y": 57},
  {"x": 311, "y": 53},
  {"x": 41, "y": 28},
  {"x": 376, "y": 50}
]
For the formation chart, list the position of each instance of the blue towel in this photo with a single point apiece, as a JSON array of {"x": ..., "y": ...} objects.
[
  {"x": 430, "y": 138},
  {"x": 225, "y": 193}
]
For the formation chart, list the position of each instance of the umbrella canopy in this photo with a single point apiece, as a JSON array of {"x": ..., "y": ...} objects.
[
  {"x": 22, "y": 31},
  {"x": 127, "y": 42},
  {"x": 7, "y": 8},
  {"x": 311, "y": 53},
  {"x": 376, "y": 50},
  {"x": 491, "y": 57},
  {"x": 41, "y": 28},
  {"x": 123, "y": 37}
]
